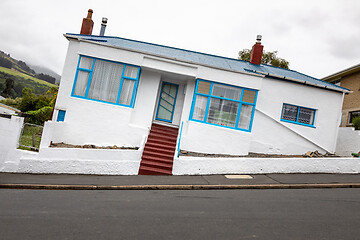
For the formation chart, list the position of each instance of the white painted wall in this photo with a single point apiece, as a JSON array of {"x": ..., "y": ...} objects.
[
  {"x": 348, "y": 141},
  {"x": 10, "y": 130},
  {"x": 270, "y": 135},
  {"x": 205, "y": 166}
]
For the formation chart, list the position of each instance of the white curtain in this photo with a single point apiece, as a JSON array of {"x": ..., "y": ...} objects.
[
  {"x": 199, "y": 108},
  {"x": 86, "y": 62},
  {"x": 126, "y": 91},
  {"x": 81, "y": 83},
  {"x": 131, "y": 71},
  {"x": 226, "y": 91},
  {"x": 245, "y": 116},
  {"x": 105, "y": 81}
]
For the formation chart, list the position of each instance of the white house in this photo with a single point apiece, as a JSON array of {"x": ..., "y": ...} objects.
[{"x": 160, "y": 99}]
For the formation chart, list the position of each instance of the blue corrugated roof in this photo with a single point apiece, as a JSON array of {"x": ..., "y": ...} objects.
[{"x": 207, "y": 59}]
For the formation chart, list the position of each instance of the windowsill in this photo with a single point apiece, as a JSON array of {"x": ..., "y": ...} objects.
[
  {"x": 297, "y": 123},
  {"x": 102, "y": 102},
  {"x": 221, "y": 126}
]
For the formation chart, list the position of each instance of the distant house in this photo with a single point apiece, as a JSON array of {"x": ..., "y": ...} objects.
[
  {"x": 5, "y": 109},
  {"x": 348, "y": 78},
  {"x": 160, "y": 99}
]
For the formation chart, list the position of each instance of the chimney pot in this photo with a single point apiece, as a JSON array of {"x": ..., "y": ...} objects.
[
  {"x": 87, "y": 24},
  {"x": 103, "y": 26},
  {"x": 257, "y": 51}
]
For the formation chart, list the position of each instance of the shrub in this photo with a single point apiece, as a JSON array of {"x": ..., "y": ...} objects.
[
  {"x": 356, "y": 122},
  {"x": 40, "y": 116}
]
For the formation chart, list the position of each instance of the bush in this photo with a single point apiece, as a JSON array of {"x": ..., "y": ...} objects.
[
  {"x": 356, "y": 122},
  {"x": 40, "y": 116}
]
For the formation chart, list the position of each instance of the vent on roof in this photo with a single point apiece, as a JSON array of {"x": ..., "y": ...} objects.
[{"x": 103, "y": 26}]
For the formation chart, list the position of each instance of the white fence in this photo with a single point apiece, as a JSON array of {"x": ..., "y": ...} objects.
[{"x": 348, "y": 141}]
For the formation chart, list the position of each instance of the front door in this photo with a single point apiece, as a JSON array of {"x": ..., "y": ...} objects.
[{"x": 167, "y": 101}]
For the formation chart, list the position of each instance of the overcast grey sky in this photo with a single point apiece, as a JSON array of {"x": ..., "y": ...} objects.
[{"x": 317, "y": 37}]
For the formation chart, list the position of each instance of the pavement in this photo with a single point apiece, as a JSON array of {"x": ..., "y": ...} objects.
[{"x": 204, "y": 182}]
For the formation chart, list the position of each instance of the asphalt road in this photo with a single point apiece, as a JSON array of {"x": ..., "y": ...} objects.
[{"x": 213, "y": 214}]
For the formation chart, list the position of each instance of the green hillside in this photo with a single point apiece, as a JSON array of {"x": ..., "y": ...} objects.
[{"x": 16, "y": 75}]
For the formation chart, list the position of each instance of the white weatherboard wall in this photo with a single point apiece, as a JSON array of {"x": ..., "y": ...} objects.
[{"x": 348, "y": 141}]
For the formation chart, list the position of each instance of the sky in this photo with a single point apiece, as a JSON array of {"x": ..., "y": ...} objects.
[{"x": 317, "y": 37}]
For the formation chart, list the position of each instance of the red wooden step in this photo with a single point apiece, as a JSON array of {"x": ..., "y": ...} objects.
[
  {"x": 159, "y": 149},
  {"x": 158, "y": 155},
  {"x": 161, "y": 145},
  {"x": 164, "y": 132},
  {"x": 156, "y": 159},
  {"x": 163, "y": 137},
  {"x": 145, "y": 170},
  {"x": 158, "y": 164}
]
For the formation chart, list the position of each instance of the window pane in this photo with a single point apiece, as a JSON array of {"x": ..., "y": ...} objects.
[
  {"x": 127, "y": 91},
  {"x": 200, "y": 108},
  {"x": 86, "y": 63},
  {"x": 204, "y": 87},
  {"x": 226, "y": 91},
  {"x": 131, "y": 71},
  {"x": 164, "y": 113},
  {"x": 306, "y": 116},
  {"x": 249, "y": 96},
  {"x": 289, "y": 112},
  {"x": 222, "y": 112},
  {"x": 353, "y": 115},
  {"x": 245, "y": 116},
  {"x": 81, "y": 83},
  {"x": 105, "y": 81}
]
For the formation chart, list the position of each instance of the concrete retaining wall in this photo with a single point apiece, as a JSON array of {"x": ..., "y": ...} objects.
[{"x": 204, "y": 166}]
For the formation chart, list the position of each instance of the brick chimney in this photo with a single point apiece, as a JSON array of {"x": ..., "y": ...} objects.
[
  {"x": 256, "y": 51},
  {"x": 87, "y": 24}
]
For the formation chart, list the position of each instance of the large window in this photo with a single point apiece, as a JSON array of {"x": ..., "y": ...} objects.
[
  {"x": 223, "y": 105},
  {"x": 106, "y": 81},
  {"x": 298, "y": 115}
]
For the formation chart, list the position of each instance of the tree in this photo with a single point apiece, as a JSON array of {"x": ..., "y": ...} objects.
[
  {"x": 267, "y": 58},
  {"x": 9, "y": 84}
]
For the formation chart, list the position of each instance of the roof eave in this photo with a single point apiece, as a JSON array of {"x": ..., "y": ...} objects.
[
  {"x": 307, "y": 83},
  {"x": 342, "y": 73},
  {"x": 71, "y": 37}
]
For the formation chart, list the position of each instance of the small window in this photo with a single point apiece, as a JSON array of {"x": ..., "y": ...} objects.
[
  {"x": 61, "y": 115},
  {"x": 352, "y": 115},
  {"x": 298, "y": 115}
]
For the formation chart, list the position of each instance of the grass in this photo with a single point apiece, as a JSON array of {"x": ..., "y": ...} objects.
[
  {"x": 23, "y": 75},
  {"x": 26, "y": 139}
]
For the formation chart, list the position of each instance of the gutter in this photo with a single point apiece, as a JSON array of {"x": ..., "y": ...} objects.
[{"x": 305, "y": 82}]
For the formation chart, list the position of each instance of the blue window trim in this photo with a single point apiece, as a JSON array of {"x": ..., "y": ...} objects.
[
  {"x": 61, "y": 115},
  {"x": 297, "y": 116},
  {"x": 172, "y": 114},
  {"x": 90, "y": 71},
  {"x": 209, "y": 96}
]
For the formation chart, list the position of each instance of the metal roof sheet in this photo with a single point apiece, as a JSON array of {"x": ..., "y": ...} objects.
[{"x": 209, "y": 60}]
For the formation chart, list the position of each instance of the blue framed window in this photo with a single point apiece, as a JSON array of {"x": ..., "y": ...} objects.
[
  {"x": 298, "y": 115},
  {"x": 106, "y": 81},
  {"x": 223, "y": 105},
  {"x": 61, "y": 116}
]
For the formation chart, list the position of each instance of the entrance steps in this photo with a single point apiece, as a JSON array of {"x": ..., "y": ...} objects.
[{"x": 159, "y": 150}]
